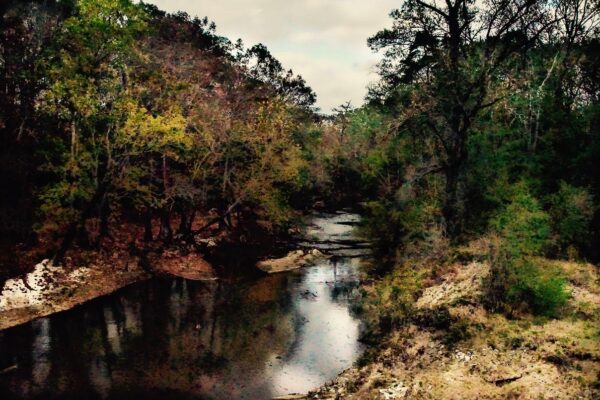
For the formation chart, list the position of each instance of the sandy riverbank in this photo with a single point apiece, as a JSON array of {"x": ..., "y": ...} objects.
[
  {"x": 453, "y": 348},
  {"x": 49, "y": 289}
]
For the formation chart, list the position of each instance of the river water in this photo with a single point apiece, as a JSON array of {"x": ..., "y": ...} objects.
[{"x": 250, "y": 338}]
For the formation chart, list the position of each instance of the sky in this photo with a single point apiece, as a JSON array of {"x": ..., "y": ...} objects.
[{"x": 322, "y": 40}]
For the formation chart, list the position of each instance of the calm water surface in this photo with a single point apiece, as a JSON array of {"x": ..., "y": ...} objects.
[{"x": 177, "y": 339}]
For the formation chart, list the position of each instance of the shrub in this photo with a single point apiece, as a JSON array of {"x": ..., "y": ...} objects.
[
  {"x": 571, "y": 209},
  {"x": 541, "y": 288},
  {"x": 523, "y": 282},
  {"x": 523, "y": 226},
  {"x": 391, "y": 304},
  {"x": 403, "y": 222},
  {"x": 523, "y": 232}
]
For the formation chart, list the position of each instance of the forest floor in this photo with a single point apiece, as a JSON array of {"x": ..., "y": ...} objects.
[{"x": 453, "y": 348}]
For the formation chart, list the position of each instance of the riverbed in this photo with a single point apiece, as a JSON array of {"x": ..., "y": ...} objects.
[{"x": 245, "y": 338}]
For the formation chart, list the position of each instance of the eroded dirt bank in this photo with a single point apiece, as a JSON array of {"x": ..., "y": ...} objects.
[{"x": 49, "y": 289}]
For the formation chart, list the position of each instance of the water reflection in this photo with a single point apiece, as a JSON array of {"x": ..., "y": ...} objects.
[
  {"x": 180, "y": 339},
  {"x": 39, "y": 351}
]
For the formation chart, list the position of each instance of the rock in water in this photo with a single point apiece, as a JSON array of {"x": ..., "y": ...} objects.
[{"x": 293, "y": 260}]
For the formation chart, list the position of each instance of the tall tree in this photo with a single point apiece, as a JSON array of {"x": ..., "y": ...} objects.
[
  {"x": 87, "y": 79},
  {"x": 455, "y": 51}
]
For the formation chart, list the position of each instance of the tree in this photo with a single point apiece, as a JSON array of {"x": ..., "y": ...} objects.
[
  {"x": 27, "y": 29},
  {"x": 454, "y": 51},
  {"x": 87, "y": 77},
  {"x": 266, "y": 69}
]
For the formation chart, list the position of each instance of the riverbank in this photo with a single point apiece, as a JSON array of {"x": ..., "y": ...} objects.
[
  {"x": 254, "y": 335},
  {"x": 443, "y": 344},
  {"x": 49, "y": 289}
]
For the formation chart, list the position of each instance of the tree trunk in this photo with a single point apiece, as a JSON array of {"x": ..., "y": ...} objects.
[
  {"x": 191, "y": 222},
  {"x": 148, "y": 226},
  {"x": 185, "y": 224},
  {"x": 228, "y": 220},
  {"x": 450, "y": 210},
  {"x": 83, "y": 238},
  {"x": 104, "y": 217},
  {"x": 73, "y": 228},
  {"x": 73, "y": 140},
  {"x": 166, "y": 233},
  {"x": 182, "y": 221}
]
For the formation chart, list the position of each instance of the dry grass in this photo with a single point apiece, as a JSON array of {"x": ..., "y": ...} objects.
[{"x": 482, "y": 355}]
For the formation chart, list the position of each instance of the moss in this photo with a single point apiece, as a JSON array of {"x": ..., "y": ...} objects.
[{"x": 456, "y": 333}]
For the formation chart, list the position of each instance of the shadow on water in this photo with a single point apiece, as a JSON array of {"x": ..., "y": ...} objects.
[{"x": 176, "y": 339}]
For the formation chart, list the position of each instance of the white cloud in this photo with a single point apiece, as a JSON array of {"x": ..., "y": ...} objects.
[{"x": 323, "y": 40}]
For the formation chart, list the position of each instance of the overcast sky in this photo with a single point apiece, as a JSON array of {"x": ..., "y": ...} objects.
[{"x": 323, "y": 40}]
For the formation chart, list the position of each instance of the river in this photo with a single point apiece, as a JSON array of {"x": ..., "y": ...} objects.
[{"x": 245, "y": 338}]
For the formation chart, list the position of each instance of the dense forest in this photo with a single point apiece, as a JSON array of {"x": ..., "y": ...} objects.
[
  {"x": 115, "y": 113},
  {"x": 127, "y": 127},
  {"x": 484, "y": 122}
]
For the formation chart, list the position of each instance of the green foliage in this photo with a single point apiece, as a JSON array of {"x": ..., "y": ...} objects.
[
  {"x": 542, "y": 288},
  {"x": 572, "y": 209},
  {"x": 132, "y": 113},
  {"x": 517, "y": 277},
  {"x": 523, "y": 225},
  {"x": 156, "y": 113},
  {"x": 391, "y": 305},
  {"x": 385, "y": 221}
]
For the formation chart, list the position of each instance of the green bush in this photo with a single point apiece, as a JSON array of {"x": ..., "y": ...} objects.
[
  {"x": 391, "y": 304},
  {"x": 401, "y": 221},
  {"x": 523, "y": 226},
  {"x": 549, "y": 295},
  {"x": 517, "y": 279},
  {"x": 543, "y": 289},
  {"x": 571, "y": 209}
]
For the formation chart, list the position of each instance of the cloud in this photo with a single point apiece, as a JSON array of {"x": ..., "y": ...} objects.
[{"x": 323, "y": 40}]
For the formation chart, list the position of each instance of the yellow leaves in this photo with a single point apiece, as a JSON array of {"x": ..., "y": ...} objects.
[
  {"x": 273, "y": 163},
  {"x": 268, "y": 136},
  {"x": 273, "y": 121},
  {"x": 111, "y": 14},
  {"x": 294, "y": 165},
  {"x": 164, "y": 133},
  {"x": 97, "y": 7}
]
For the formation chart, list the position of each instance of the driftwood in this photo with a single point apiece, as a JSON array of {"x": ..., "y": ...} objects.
[
  {"x": 8, "y": 369},
  {"x": 293, "y": 260},
  {"x": 292, "y": 396}
]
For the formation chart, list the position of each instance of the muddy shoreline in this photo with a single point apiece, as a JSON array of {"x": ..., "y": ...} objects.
[
  {"x": 62, "y": 292},
  {"x": 112, "y": 267},
  {"x": 48, "y": 290},
  {"x": 102, "y": 283}
]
